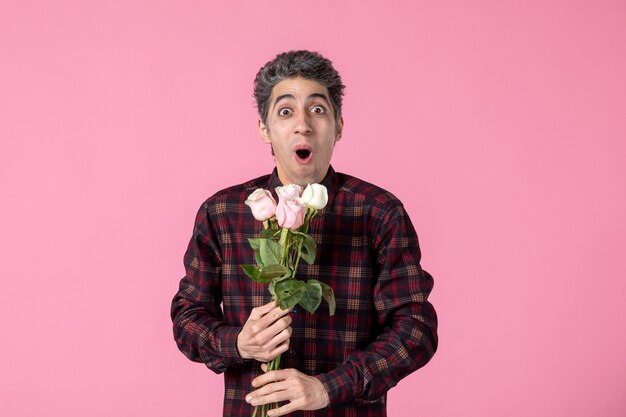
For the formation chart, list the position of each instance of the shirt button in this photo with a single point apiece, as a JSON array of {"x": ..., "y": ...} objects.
[
  {"x": 294, "y": 310},
  {"x": 292, "y": 352}
]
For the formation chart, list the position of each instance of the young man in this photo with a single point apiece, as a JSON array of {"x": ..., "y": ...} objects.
[{"x": 384, "y": 327}]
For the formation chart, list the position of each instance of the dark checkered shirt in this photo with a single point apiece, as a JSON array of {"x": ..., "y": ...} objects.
[{"x": 384, "y": 327}]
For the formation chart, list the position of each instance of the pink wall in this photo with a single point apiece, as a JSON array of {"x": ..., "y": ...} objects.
[{"x": 500, "y": 124}]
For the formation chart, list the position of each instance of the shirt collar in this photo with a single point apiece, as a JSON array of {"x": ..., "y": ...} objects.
[{"x": 330, "y": 181}]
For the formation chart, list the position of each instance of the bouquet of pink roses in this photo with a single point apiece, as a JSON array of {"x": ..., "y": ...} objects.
[{"x": 283, "y": 243}]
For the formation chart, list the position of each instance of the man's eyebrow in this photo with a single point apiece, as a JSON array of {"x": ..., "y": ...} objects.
[
  {"x": 283, "y": 96},
  {"x": 312, "y": 95},
  {"x": 320, "y": 95}
]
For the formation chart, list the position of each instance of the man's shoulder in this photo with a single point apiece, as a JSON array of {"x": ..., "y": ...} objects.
[{"x": 367, "y": 192}]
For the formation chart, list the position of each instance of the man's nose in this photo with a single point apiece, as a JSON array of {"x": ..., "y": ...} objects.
[{"x": 303, "y": 124}]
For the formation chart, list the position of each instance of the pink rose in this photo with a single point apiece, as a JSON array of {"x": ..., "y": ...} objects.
[
  {"x": 262, "y": 204},
  {"x": 291, "y": 191},
  {"x": 290, "y": 211}
]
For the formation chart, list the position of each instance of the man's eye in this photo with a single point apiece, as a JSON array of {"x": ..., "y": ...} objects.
[
  {"x": 284, "y": 112},
  {"x": 318, "y": 109}
]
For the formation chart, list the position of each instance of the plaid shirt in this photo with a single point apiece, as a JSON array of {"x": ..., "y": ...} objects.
[{"x": 383, "y": 329}]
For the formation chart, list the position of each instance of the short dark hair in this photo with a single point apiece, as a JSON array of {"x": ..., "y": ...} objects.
[{"x": 306, "y": 64}]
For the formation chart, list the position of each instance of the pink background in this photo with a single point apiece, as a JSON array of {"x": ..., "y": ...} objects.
[{"x": 501, "y": 125}]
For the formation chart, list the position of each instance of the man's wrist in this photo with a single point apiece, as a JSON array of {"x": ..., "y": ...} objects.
[
  {"x": 322, "y": 379},
  {"x": 324, "y": 394},
  {"x": 240, "y": 352}
]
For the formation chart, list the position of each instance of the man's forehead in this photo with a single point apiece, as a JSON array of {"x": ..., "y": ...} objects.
[{"x": 291, "y": 88}]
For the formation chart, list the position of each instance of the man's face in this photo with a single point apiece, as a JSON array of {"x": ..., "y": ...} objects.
[{"x": 302, "y": 130}]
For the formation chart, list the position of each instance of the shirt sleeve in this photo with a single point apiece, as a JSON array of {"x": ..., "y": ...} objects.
[
  {"x": 199, "y": 327},
  {"x": 409, "y": 338}
]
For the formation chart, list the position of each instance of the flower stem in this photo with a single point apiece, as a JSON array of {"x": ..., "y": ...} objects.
[
  {"x": 297, "y": 262},
  {"x": 284, "y": 243}
]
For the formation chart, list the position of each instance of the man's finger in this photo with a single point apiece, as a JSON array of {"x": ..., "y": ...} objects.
[
  {"x": 266, "y": 378},
  {"x": 277, "y": 327},
  {"x": 273, "y": 335},
  {"x": 272, "y": 316},
  {"x": 281, "y": 411},
  {"x": 258, "y": 312},
  {"x": 271, "y": 376},
  {"x": 276, "y": 391}
]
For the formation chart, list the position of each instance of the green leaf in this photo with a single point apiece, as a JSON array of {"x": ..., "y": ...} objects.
[
  {"x": 251, "y": 271},
  {"x": 270, "y": 252},
  {"x": 274, "y": 271},
  {"x": 283, "y": 277},
  {"x": 289, "y": 292},
  {"x": 329, "y": 296},
  {"x": 255, "y": 242},
  {"x": 312, "y": 296},
  {"x": 257, "y": 258},
  {"x": 309, "y": 248},
  {"x": 269, "y": 233}
]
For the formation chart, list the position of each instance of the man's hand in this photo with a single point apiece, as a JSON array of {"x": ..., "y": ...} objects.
[
  {"x": 302, "y": 391},
  {"x": 265, "y": 334}
]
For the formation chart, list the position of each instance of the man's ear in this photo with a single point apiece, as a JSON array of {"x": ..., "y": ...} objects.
[
  {"x": 264, "y": 132},
  {"x": 339, "y": 129}
]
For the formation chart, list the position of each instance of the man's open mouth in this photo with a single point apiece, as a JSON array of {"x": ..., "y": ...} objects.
[{"x": 303, "y": 153}]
